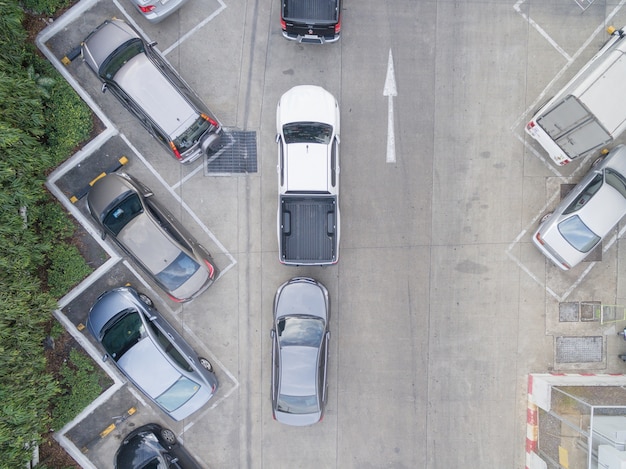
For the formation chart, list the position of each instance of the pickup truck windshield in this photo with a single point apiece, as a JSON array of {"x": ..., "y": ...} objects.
[{"x": 307, "y": 132}]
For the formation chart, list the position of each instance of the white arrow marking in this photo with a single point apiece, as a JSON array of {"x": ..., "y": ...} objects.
[{"x": 390, "y": 91}]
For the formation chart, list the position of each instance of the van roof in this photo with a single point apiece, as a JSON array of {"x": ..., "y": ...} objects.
[{"x": 156, "y": 95}]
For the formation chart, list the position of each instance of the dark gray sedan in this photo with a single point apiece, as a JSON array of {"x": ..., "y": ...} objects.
[
  {"x": 126, "y": 210},
  {"x": 300, "y": 339},
  {"x": 151, "y": 353},
  {"x": 153, "y": 447}
]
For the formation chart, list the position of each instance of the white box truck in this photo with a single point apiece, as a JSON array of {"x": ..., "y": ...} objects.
[{"x": 590, "y": 111}]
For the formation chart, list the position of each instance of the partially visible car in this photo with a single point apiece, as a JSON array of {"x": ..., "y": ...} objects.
[
  {"x": 151, "y": 353},
  {"x": 587, "y": 214},
  {"x": 127, "y": 210},
  {"x": 300, "y": 337},
  {"x": 150, "y": 89},
  {"x": 153, "y": 447},
  {"x": 156, "y": 11}
]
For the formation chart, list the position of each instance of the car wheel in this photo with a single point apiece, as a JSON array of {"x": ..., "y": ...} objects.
[
  {"x": 206, "y": 364},
  {"x": 545, "y": 217},
  {"x": 597, "y": 161},
  {"x": 146, "y": 299},
  {"x": 168, "y": 435}
]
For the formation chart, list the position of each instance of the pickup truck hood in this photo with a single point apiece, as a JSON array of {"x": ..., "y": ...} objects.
[{"x": 307, "y": 167}]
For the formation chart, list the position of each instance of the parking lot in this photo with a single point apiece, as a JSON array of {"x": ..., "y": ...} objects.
[{"x": 441, "y": 305}]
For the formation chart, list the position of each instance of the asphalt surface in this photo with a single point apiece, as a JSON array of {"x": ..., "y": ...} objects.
[{"x": 441, "y": 304}]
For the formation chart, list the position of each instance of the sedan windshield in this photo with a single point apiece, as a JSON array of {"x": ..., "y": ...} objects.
[
  {"x": 124, "y": 331},
  {"x": 578, "y": 234},
  {"x": 177, "y": 273},
  {"x": 179, "y": 393},
  {"x": 307, "y": 132},
  {"x": 119, "y": 216},
  {"x": 119, "y": 57},
  {"x": 300, "y": 330}
]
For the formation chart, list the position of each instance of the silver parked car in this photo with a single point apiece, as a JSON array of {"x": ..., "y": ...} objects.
[
  {"x": 126, "y": 210},
  {"x": 157, "y": 10},
  {"x": 151, "y": 90},
  {"x": 300, "y": 339},
  {"x": 587, "y": 214},
  {"x": 151, "y": 353}
]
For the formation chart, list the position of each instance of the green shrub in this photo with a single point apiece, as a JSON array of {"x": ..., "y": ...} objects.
[
  {"x": 45, "y": 7},
  {"x": 52, "y": 221},
  {"x": 80, "y": 383},
  {"x": 68, "y": 121},
  {"x": 67, "y": 269}
]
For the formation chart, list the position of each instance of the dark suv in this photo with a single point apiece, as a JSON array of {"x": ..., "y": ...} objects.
[{"x": 151, "y": 90}]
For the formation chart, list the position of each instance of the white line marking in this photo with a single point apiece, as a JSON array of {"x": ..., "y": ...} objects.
[
  {"x": 540, "y": 30},
  {"x": 390, "y": 90},
  {"x": 193, "y": 30}
]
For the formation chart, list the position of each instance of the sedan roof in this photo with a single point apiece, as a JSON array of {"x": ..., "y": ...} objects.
[
  {"x": 299, "y": 370},
  {"x": 141, "y": 361}
]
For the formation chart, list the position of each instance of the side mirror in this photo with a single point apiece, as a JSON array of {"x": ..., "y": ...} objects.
[
  {"x": 272, "y": 333},
  {"x": 105, "y": 357},
  {"x": 104, "y": 87},
  {"x": 152, "y": 44},
  {"x": 103, "y": 234}
]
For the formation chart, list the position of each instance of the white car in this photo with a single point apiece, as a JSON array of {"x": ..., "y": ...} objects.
[{"x": 587, "y": 214}]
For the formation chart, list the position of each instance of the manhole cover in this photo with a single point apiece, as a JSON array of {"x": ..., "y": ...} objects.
[
  {"x": 237, "y": 154},
  {"x": 579, "y": 349}
]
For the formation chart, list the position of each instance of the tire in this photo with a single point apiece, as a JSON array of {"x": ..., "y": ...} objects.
[
  {"x": 206, "y": 364},
  {"x": 146, "y": 299},
  {"x": 545, "y": 217},
  {"x": 168, "y": 435},
  {"x": 597, "y": 161}
]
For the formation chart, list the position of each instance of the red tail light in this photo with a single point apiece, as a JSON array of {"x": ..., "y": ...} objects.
[
  {"x": 211, "y": 268},
  {"x": 174, "y": 299},
  {"x": 530, "y": 125},
  {"x": 211, "y": 121},
  {"x": 283, "y": 24},
  {"x": 175, "y": 151},
  {"x": 538, "y": 238},
  {"x": 146, "y": 8},
  {"x": 338, "y": 26}
]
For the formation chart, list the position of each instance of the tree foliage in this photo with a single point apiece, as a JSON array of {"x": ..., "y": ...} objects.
[{"x": 29, "y": 113}]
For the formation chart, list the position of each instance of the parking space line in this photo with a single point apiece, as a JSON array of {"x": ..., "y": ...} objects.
[{"x": 541, "y": 31}]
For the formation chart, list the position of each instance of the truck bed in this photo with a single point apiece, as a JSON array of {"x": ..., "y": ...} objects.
[
  {"x": 310, "y": 11},
  {"x": 308, "y": 233}
]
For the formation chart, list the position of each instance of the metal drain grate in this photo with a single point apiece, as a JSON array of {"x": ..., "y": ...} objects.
[
  {"x": 579, "y": 349},
  {"x": 237, "y": 154}
]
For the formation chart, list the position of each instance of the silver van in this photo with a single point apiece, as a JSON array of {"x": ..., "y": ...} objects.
[{"x": 151, "y": 90}]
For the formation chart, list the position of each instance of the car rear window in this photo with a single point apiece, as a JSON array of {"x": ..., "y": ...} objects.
[
  {"x": 177, "y": 273},
  {"x": 578, "y": 234},
  {"x": 191, "y": 136},
  {"x": 177, "y": 394}
]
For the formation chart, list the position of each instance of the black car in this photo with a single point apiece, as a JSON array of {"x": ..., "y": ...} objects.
[{"x": 153, "y": 447}]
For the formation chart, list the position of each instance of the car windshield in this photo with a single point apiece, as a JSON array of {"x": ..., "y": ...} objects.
[
  {"x": 616, "y": 181},
  {"x": 578, "y": 234},
  {"x": 119, "y": 216},
  {"x": 300, "y": 330},
  {"x": 585, "y": 195},
  {"x": 177, "y": 273},
  {"x": 119, "y": 57},
  {"x": 307, "y": 132},
  {"x": 122, "y": 332},
  {"x": 177, "y": 394},
  {"x": 297, "y": 404},
  {"x": 192, "y": 134}
]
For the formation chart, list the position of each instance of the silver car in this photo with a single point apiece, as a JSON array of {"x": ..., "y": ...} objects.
[
  {"x": 151, "y": 353},
  {"x": 151, "y": 90},
  {"x": 300, "y": 339},
  {"x": 587, "y": 214},
  {"x": 126, "y": 210},
  {"x": 157, "y": 10}
]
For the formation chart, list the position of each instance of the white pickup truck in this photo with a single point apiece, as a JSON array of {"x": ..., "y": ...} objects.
[{"x": 307, "y": 123}]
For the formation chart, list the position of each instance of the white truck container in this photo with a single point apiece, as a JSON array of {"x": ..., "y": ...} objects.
[{"x": 590, "y": 111}]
